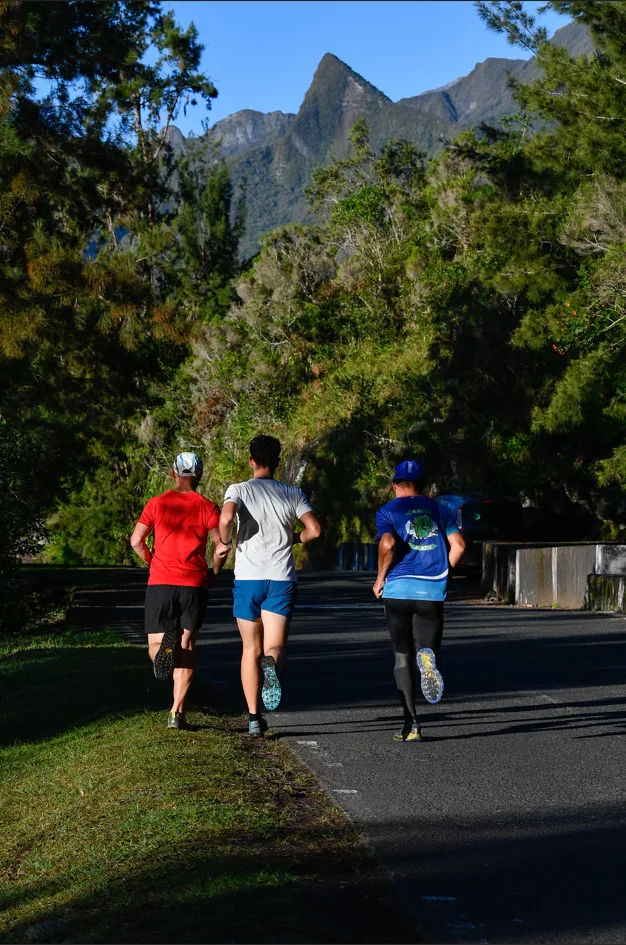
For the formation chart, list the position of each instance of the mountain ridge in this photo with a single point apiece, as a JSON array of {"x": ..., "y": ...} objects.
[{"x": 276, "y": 151}]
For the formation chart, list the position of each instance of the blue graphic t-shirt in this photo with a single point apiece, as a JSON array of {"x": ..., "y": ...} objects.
[{"x": 420, "y": 526}]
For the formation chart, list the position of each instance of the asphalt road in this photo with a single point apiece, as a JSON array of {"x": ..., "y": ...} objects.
[{"x": 508, "y": 823}]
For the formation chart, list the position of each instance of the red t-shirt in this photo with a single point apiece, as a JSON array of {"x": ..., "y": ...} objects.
[{"x": 181, "y": 523}]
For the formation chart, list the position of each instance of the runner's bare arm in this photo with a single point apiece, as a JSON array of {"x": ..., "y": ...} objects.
[
  {"x": 457, "y": 547},
  {"x": 312, "y": 529},
  {"x": 218, "y": 562},
  {"x": 138, "y": 542},
  {"x": 227, "y": 522},
  {"x": 386, "y": 548}
]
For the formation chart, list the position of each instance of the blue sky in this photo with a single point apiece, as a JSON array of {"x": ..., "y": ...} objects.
[{"x": 262, "y": 54}]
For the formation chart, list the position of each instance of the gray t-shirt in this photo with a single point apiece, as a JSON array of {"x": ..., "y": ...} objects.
[{"x": 266, "y": 511}]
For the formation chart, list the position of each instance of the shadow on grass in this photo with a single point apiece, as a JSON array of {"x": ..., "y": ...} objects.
[
  {"x": 250, "y": 897},
  {"x": 45, "y": 691}
]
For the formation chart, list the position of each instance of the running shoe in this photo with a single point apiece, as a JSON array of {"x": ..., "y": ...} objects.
[
  {"x": 176, "y": 720},
  {"x": 164, "y": 660},
  {"x": 431, "y": 680},
  {"x": 271, "y": 691},
  {"x": 257, "y": 728},
  {"x": 410, "y": 733}
]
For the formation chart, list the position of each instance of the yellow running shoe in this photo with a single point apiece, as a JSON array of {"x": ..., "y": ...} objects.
[
  {"x": 176, "y": 720},
  {"x": 431, "y": 680},
  {"x": 410, "y": 733}
]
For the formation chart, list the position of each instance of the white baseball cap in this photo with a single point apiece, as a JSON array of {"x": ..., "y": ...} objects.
[{"x": 188, "y": 464}]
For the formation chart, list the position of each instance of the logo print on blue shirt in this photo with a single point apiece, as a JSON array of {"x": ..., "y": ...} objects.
[{"x": 419, "y": 529}]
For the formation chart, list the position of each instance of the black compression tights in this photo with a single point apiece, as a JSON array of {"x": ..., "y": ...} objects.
[{"x": 412, "y": 624}]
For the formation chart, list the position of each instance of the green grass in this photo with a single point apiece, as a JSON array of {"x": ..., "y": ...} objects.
[{"x": 117, "y": 830}]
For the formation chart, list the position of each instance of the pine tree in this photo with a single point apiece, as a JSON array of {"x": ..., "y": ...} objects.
[{"x": 89, "y": 318}]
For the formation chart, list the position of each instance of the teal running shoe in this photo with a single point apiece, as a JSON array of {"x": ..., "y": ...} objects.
[
  {"x": 258, "y": 728},
  {"x": 271, "y": 691},
  {"x": 431, "y": 679},
  {"x": 164, "y": 659}
]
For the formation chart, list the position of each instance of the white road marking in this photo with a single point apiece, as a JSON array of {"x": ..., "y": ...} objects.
[
  {"x": 344, "y": 791},
  {"x": 334, "y": 764},
  {"x": 310, "y": 744}
]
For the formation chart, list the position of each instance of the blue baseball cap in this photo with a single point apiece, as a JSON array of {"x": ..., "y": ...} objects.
[{"x": 409, "y": 470}]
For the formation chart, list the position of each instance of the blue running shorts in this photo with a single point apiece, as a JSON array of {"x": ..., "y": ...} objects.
[{"x": 251, "y": 597}]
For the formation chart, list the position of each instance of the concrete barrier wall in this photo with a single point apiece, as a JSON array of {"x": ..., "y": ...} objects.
[
  {"x": 544, "y": 575},
  {"x": 610, "y": 559},
  {"x": 606, "y": 592},
  {"x": 499, "y": 568},
  {"x": 573, "y": 565},
  {"x": 534, "y": 580}
]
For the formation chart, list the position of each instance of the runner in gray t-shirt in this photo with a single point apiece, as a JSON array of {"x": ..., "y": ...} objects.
[{"x": 265, "y": 574}]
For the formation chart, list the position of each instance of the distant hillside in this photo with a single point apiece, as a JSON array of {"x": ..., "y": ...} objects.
[{"x": 276, "y": 152}]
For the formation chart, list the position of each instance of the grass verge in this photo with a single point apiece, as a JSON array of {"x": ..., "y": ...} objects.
[{"x": 121, "y": 831}]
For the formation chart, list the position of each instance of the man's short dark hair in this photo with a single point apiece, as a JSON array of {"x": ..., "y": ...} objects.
[
  {"x": 265, "y": 451},
  {"x": 419, "y": 484}
]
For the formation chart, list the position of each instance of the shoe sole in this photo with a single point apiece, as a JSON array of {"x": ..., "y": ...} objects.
[
  {"x": 164, "y": 660},
  {"x": 271, "y": 692},
  {"x": 431, "y": 679}
]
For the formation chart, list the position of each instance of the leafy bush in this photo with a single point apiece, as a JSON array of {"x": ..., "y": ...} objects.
[{"x": 22, "y": 468}]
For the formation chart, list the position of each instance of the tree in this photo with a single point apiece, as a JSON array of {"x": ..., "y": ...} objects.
[
  {"x": 583, "y": 103},
  {"x": 89, "y": 319},
  {"x": 209, "y": 228}
]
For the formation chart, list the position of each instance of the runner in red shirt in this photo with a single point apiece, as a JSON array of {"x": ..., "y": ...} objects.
[{"x": 179, "y": 581}]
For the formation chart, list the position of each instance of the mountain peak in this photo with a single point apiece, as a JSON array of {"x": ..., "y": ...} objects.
[
  {"x": 333, "y": 71},
  {"x": 331, "y": 58}
]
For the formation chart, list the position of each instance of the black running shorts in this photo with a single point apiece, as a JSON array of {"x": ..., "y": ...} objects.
[
  {"x": 170, "y": 606},
  {"x": 414, "y": 623}
]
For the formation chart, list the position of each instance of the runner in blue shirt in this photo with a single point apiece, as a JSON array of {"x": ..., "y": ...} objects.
[{"x": 419, "y": 539}]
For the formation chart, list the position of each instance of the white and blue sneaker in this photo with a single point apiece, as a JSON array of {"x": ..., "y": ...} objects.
[
  {"x": 257, "y": 727},
  {"x": 431, "y": 679},
  {"x": 271, "y": 691}
]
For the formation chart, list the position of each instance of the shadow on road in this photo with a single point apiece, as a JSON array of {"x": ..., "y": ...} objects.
[
  {"x": 545, "y": 868},
  {"x": 354, "y": 667}
]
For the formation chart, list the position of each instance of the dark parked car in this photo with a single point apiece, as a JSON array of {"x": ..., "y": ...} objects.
[{"x": 482, "y": 518}]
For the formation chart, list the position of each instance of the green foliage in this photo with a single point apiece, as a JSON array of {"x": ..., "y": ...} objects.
[
  {"x": 91, "y": 526},
  {"x": 209, "y": 229},
  {"x": 92, "y": 322},
  {"x": 21, "y": 525},
  {"x": 470, "y": 310}
]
